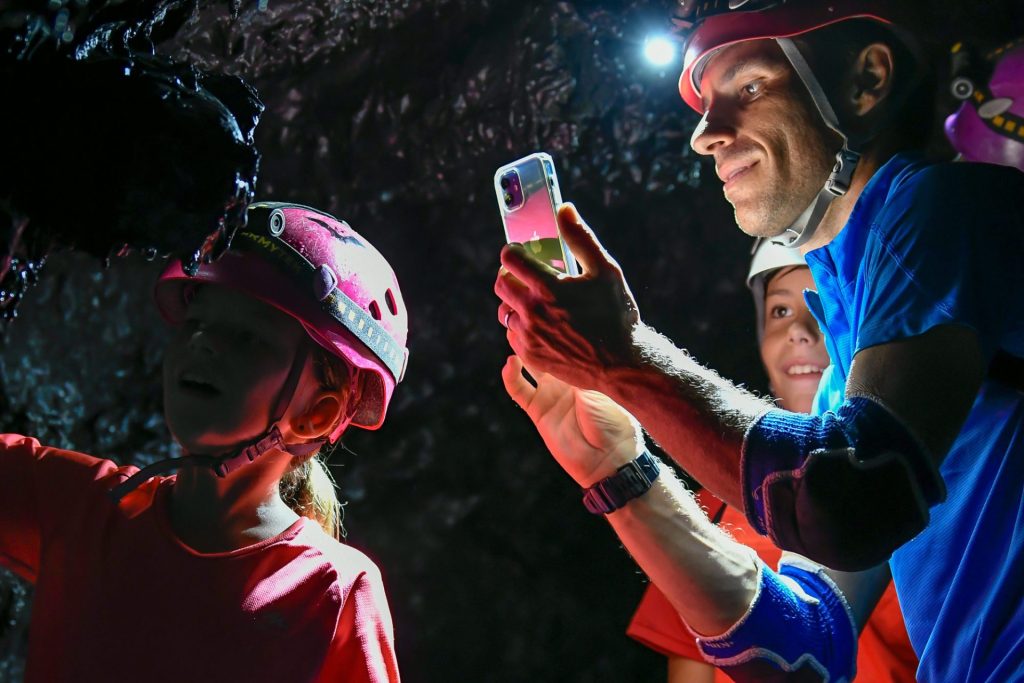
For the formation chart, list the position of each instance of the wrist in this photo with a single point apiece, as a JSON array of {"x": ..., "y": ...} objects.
[
  {"x": 612, "y": 461},
  {"x": 631, "y": 365},
  {"x": 614, "y": 355},
  {"x": 629, "y": 481}
]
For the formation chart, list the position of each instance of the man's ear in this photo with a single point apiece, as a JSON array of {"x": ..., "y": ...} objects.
[{"x": 872, "y": 79}]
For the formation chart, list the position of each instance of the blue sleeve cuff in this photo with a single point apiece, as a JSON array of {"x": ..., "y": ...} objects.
[
  {"x": 781, "y": 446},
  {"x": 777, "y": 445},
  {"x": 798, "y": 621}
]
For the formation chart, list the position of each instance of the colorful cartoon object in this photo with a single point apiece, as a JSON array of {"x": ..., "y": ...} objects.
[{"x": 989, "y": 125}]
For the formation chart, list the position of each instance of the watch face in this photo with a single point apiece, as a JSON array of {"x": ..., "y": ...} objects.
[{"x": 631, "y": 481}]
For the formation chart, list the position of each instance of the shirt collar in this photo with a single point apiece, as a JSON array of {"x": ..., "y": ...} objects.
[{"x": 843, "y": 253}]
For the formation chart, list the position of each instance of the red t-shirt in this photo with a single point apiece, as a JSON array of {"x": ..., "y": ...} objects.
[
  {"x": 884, "y": 654},
  {"x": 119, "y": 598}
]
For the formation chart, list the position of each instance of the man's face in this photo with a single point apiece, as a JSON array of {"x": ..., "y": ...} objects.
[{"x": 772, "y": 150}]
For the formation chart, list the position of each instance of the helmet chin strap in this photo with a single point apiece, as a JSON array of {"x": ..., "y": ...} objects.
[
  {"x": 241, "y": 454},
  {"x": 838, "y": 183}
]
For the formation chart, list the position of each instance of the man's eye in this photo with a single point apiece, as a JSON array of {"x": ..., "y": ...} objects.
[{"x": 780, "y": 311}]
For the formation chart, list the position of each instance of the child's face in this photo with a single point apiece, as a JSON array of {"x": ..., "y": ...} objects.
[
  {"x": 792, "y": 349},
  {"x": 224, "y": 369}
]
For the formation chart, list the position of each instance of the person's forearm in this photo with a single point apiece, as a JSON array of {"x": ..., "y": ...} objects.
[
  {"x": 698, "y": 417},
  {"x": 756, "y": 624},
  {"x": 708, "y": 577}
]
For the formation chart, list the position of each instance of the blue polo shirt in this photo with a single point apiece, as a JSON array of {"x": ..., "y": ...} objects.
[{"x": 928, "y": 245}]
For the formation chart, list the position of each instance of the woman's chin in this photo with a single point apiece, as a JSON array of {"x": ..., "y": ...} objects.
[
  {"x": 197, "y": 443},
  {"x": 197, "y": 434}
]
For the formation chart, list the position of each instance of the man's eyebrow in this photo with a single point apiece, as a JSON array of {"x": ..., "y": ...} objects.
[
  {"x": 745, "y": 64},
  {"x": 778, "y": 290}
]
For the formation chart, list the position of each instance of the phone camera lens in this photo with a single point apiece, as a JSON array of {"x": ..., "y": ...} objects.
[
  {"x": 508, "y": 199},
  {"x": 504, "y": 183}
]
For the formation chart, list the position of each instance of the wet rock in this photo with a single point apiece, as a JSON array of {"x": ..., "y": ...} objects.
[{"x": 112, "y": 148}]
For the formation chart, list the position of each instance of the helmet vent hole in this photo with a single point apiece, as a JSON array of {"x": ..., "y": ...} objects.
[
  {"x": 375, "y": 310},
  {"x": 389, "y": 297}
]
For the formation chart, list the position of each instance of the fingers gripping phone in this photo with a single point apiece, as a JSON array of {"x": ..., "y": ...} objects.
[{"x": 528, "y": 198}]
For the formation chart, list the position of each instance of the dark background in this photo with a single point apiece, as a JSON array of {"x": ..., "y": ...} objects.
[{"x": 393, "y": 115}]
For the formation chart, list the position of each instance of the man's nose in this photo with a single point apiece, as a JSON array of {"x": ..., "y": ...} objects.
[{"x": 712, "y": 132}]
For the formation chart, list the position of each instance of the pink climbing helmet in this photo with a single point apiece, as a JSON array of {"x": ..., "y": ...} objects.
[
  {"x": 989, "y": 125},
  {"x": 324, "y": 274}
]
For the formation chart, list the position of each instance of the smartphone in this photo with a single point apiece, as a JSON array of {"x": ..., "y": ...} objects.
[{"x": 528, "y": 197}]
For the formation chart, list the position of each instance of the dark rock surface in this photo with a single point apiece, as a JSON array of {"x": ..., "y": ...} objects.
[
  {"x": 393, "y": 115},
  {"x": 108, "y": 147}
]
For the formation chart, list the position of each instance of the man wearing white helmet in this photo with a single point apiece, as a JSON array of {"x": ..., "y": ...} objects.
[{"x": 915, "y": 451}]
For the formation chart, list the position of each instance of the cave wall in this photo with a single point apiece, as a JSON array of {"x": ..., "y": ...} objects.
[{"x": 393, "y": 116}]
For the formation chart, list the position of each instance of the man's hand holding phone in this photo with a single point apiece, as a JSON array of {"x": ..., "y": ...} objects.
[{"x": 572, "y": 327}]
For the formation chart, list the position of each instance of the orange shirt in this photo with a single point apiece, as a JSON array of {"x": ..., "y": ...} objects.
[
  {"x": 120, "y": 598},
  {"x": 884, "y": 654}
]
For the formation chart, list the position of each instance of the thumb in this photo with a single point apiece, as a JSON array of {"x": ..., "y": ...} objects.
[
  {"x": 516, "y": 385},
  {"x": 581, "y": 240}
]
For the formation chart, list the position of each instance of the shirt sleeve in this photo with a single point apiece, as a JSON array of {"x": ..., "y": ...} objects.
[
  {"x": 884, "y": 652},
  {"x": 947, "y": 248},
  {"x": 657, "y": 625},
  {"x": 363, "y": 649},
  {"x": 40, "y": 488}
]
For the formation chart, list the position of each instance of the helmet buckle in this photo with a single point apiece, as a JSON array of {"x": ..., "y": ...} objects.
[{"x": 841, "y": 178}]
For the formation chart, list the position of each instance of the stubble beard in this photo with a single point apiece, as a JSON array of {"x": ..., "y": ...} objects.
[
  {"x": 785, "y": 198},
  {"x": 767, "y": 216}
]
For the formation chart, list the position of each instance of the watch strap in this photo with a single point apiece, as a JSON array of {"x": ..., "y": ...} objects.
[{"x": 630, "y": 481}]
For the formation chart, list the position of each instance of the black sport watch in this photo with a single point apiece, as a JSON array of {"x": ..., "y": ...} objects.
[{"x": 630, "y": 481}]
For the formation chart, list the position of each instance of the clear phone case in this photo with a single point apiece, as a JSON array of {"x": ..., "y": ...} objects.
[{"x": 528, "y": 197}]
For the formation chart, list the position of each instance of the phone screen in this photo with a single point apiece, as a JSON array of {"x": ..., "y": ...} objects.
[{"x": 528, "y": 197}]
